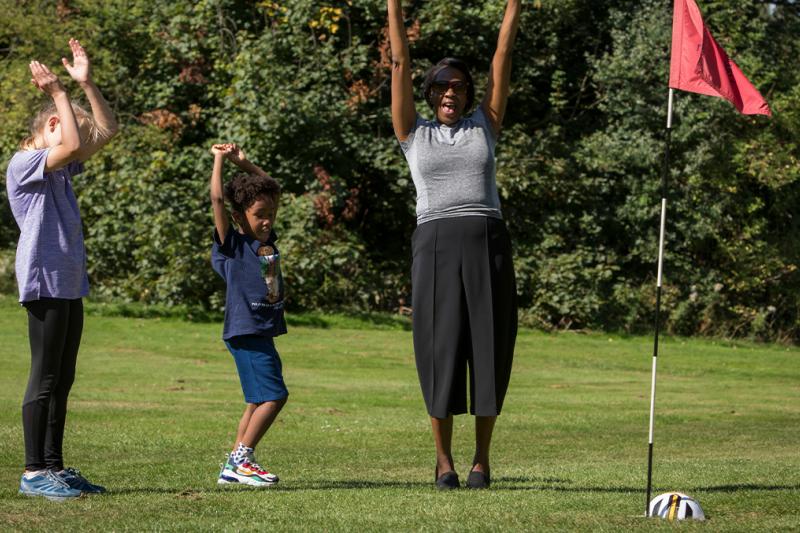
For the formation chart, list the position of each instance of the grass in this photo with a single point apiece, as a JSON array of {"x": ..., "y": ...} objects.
[{"x": 156, "y": 402}]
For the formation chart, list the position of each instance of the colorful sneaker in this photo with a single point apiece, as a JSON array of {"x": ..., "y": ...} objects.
[
  {"x": 262, "y": 472},
  {"x": 47, "y": 485},
  {"x": 246, "y": 474},
  {"x": 75, "y": 480},
  {"x": 226, "y": 472}
]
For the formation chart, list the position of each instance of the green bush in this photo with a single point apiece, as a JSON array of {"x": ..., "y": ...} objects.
[
  {"x": 8, "y": 281},
  {"x": 304, "y": 87}
]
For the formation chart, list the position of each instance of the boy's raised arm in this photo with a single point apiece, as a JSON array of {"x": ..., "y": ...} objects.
[
  {"x": 221, "y": 221},
  {"x": 236, "y": 155},
  {"x": 106, "y": 124}
]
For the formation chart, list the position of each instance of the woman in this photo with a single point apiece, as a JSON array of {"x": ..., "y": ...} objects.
[{"x": 464, "y": 293}]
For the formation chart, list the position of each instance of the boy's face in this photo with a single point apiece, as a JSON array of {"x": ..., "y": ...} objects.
[{"x": 258, "y": 218}]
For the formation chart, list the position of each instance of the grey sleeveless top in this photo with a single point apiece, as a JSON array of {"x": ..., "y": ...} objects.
[{"x": 453, "y": 168}]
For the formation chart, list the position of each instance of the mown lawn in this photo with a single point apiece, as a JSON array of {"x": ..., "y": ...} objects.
[{"x": 156, "y": 403}]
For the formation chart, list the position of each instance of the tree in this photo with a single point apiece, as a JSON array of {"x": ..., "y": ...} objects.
[{"x": 302, "y": 85}]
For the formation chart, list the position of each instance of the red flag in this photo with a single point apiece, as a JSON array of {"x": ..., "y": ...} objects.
[{"x": 700, "y": 65}]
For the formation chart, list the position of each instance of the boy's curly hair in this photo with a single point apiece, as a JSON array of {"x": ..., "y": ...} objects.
[{"x": 243, "y": 190}]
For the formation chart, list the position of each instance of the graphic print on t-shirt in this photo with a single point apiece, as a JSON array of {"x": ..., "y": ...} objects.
[{"x": 271, "y": 271}]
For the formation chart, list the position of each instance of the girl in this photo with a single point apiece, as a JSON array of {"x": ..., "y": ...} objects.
[
  {"x": 249, "y": 262},
  {"x": 464, "y": 293},
  {"x": 51, "y": 265}
]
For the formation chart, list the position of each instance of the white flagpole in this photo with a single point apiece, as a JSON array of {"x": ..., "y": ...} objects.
[{"x": 664, "y": 174}]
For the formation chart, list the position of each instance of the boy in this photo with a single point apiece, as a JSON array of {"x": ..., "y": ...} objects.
[{"x": 249, "y": 262}]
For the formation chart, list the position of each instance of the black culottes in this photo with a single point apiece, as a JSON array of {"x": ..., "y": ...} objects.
[{"x": 464, "y": 301}]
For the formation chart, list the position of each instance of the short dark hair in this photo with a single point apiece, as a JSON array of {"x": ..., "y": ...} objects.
[
  {"x": 243, "y": 190},
  {"x": 430, "y": 76}
]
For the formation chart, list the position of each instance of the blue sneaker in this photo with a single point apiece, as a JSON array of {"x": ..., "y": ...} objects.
[
  {"x": 75, "y": 480},
  {"x": 47, "y": 485}
]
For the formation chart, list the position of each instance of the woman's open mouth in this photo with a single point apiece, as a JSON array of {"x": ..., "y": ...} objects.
[{"x": 449, "y": 108}]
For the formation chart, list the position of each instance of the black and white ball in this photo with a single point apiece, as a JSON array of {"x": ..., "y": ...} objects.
[{"x": 676, "y": 506}]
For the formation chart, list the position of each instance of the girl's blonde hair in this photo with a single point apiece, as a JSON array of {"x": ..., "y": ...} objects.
[{"x": 84, "y": 118}]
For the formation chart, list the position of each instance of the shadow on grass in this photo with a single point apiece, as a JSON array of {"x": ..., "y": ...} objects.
[
  {"x": 517, "y": 483},
  {"x": 500, "y": 484},
  {"x": 522, "y": 479},
  {"x": 745, "y": 487},
  {"x": 308, "y": 321},
  {"x": 349, "y": 319},
  {"x": 190, "y": 313},
  {"x": 289, "y": 487},
  {"x": 552, "y": 485},
  {"x": 344, "y": 318}
]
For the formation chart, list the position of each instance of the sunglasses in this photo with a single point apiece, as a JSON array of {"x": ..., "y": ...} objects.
[{"x": 441, "y": 86}]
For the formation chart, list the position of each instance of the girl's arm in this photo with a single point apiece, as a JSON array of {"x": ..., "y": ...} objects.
[
  {"x": 236, "y": 155},
  {"x": 494, "y": 103},
  {"x": 404, "y": 114},
  {"x": 106, "y": 124},
  {"x": 221, "y": 220},
  {"x": 48, "y": 83}
]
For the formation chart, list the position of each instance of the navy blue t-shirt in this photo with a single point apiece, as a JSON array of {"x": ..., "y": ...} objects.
[{"x": 254, "y": 297}]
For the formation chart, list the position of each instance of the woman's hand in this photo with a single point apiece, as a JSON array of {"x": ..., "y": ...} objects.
[
  {"x": 44, "y": 80},
  {"x": 80, "y": 70}
]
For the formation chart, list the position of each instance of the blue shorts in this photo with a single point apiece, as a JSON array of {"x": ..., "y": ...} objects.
[{"x": 259, "y": 367}]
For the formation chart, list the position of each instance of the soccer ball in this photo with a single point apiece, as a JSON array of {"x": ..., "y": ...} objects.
[{"x": 676, "y": 506}]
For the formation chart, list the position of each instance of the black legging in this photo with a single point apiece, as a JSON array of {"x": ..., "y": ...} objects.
[{"x": 54, "y": 328}]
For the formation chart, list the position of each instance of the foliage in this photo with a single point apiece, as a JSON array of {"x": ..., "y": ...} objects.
[
  {"x": 303, "y": 86},
  {"x": 8, "y": 282}
]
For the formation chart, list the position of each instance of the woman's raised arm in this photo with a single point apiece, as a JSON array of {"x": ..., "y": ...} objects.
[
  {"x": 494, "y": 103},
  {"x": 404, "y": 115}
]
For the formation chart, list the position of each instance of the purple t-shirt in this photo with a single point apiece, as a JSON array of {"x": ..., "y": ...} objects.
[{"x": 51, "y": 257}]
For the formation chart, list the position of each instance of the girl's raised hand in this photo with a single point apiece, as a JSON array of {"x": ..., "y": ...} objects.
[
  {"x": 80, "y": 70},
  {"x": 44, "y": 80}
]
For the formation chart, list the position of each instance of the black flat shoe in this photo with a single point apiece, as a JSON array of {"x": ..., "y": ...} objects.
[
  {"x": 447, "y": 481},
  {"x": 478, "y": 480}
]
